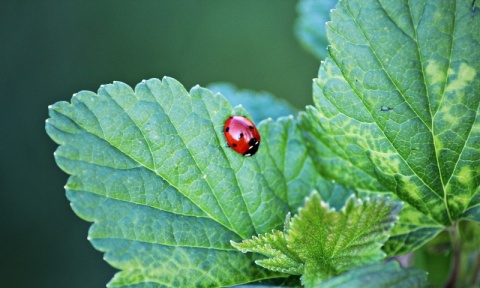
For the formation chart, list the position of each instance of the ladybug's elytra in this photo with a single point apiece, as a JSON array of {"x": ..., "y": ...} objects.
[{"x": 242, "y": 135}]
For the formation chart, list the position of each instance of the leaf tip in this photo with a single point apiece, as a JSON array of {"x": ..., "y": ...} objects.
[
  {"x": 236, "y": 245},
  {"x": 198, "y": 89},
  {"x": 265, "y": 121}
]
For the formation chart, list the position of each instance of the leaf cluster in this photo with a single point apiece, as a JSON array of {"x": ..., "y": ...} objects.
[{"x": 395, "y": 118}]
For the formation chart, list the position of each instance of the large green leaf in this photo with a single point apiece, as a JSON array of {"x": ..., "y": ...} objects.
[
  {"x": 397, "y": 104},
  {"x": 151, "y": 169}
]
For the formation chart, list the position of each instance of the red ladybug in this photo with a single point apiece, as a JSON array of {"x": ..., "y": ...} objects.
[{"x": 242, "y": 135}]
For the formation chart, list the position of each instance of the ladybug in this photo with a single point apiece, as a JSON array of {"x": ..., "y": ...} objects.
[{"x": 242, "y": 135}]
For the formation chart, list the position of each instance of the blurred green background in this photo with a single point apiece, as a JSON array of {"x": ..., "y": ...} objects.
[{"x": 52, "y": 49}]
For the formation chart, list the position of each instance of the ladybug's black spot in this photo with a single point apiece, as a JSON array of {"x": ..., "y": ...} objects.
[
  {"x": 253, "y": 147},
  {"x": 240, "y": 136},
  {"x": 227, "y": 129},
  {"x": 234, "y": 145},
  {"x": 251, "y": 127}
]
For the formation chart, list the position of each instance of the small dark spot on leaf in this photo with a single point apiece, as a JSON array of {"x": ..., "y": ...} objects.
[{"x": 385, "y": 109}]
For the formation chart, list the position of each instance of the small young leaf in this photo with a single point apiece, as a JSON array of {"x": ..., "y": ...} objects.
[
  {"x": 320, "y": 242},
  {"x": 380, "y": 275},
  {"x": 273, "y": 245},
  {"x": 330, "y": 242}
]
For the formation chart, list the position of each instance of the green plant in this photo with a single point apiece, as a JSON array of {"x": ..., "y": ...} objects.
[{"x": 395, "y": 119}]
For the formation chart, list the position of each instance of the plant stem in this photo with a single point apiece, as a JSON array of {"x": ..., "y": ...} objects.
[
  {"x": 456, "y": 256},
  {"x": 476, "y": 270}
]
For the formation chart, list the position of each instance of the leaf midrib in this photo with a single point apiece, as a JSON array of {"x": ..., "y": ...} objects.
[
  {"x": 432, "y": 114},
  {"x": 233, "y": 172}
]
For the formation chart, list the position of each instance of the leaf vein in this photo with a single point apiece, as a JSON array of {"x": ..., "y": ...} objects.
[{"x": 155, "y": 172}]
